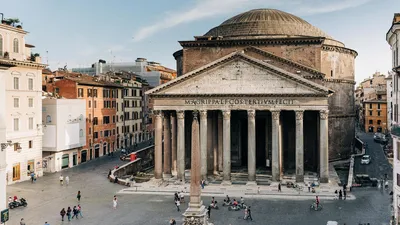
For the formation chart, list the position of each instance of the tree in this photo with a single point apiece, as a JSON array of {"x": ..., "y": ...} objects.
[
  {"x": 11, "y": 21},
  {"x": 33, "y": 56}
]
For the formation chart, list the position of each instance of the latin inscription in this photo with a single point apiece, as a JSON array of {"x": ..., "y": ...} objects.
[{"x": 233, "y": 101}]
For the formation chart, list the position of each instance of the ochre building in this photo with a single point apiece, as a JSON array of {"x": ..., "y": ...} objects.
[{"x": 275, "y": 95}]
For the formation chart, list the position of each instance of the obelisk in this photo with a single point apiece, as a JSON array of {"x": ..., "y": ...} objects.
[{"x": 196, "y": 212}]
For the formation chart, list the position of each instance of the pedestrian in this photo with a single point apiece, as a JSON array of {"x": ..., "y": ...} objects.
[
  {"x": 22, "y": 222},
  {"x": 32, "y": 176},
  {"x": 115, "y": 202},
  {"x": 344, "y": 194},
  {"x": 62, "y": 214},
  {"x": 75, "y": 212},
  {"x": 249, "y": 213},
  {"x": 202, "y": 184},
  {"x": 336, "y": 195},
  {"x": 279, "y": 187},
  {"x": 172, "y": 222},
  {"x": 209, "y": 211},
  {"x": 69, "y": 213},
  {"x": 67, "y": 180},
  {"x": 78, "y": 196},
  {"x": 309, "y": 186},
  {"x": 61, "y": 180},
  {"x": 340, "y": 194},
  {"x": 178, "y": 203},
  {"x": 176, "y": 197},
  {"x": 79, "y": 210},
  {"x": 182, "y": 197}
]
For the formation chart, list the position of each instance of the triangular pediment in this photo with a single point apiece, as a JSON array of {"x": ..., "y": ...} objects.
[{"x": 238, "y": 74}]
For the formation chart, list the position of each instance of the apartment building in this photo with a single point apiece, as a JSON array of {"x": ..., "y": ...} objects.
[
  {"x": 101, "y": 109},
  {"x": 64, "y": 129},
  {"x": 375, "y": 114},
  {"x": 21, "y": 76},
  {"x": 393, "y": 39}
]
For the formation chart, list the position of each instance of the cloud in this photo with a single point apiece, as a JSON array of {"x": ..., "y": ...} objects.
[{"x": 210, "y": 8}]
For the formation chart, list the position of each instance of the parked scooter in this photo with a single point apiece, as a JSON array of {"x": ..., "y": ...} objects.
[{"x": 15, "y": 204}]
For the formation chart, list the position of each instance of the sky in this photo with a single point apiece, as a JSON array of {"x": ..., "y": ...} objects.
[{"x": 78, "y": 33}]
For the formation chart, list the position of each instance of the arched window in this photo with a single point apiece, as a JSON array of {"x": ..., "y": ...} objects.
[
  {"x": 16, "y": 45},
  {"x": 48, "y": 119},
  {"x": 1, "y": 45},
  {"x": 80, "y": 133}
]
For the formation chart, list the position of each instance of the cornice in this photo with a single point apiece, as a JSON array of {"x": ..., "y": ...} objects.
[
  {"x": 246, "y": 42},
  {"x": 341, "y": 115},
  {"x": 161, "y": 96},
  {"x": 333, "y": 48},
  {"x": 332, "y": 80},
  {"x": 22, "y": 63}
]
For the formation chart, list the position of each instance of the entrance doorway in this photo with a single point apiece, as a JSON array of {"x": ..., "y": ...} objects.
[
  {"x": 96, "y": 151},
  {"x": 74, "y": 159},
  {"x": 83, "y": 156},
  {"x": 31, "y": 167},
  {"x": 16, "y": 172},
  {"x": 65, "y": 161},
  {"x": 104, "y": 148}
]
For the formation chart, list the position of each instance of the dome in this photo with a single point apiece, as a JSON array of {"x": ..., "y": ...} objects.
[{"x": 265, "y": 23}]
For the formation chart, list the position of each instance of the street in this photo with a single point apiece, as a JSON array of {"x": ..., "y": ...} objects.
[
  {"x": 47, "y": 197},
  {"x": 379, "y": 165}
]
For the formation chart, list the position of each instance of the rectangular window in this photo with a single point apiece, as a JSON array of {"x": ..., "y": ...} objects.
[
  {"x": 398, "y": 154},
  {"x": 30, "y": 102},
  {"x": 371, "y": 122},
  {"x": 90, "y": 130},
  {"x": 379, "y": 113},
  {"x": 379, "y": 105},
  {"x": 95, "y": 121},
  {"x": 30, "y": 84},
  {"x": 16, "y": 83},
  {"x": 16, "y": 124},
  {"x": 398, "y": 180},
  {"x": 30, "y": 144},
  {"x": 17, "y": 146},
  {"x": 96, "y": 135},
  {"x": 16, "y": 102},
  {"x": 379, "y": 122},
  {"x": 30, "y": 123},
  {"x": 117, "y": 130},
  {"x": 80, "y": 92},
  {"x": 101, "y": 133},
  {"x": 89, "y": 92},
  {"x": 370, "y": 106},
  {"x": 95, "y": 104},
  {"x": 95, "y": 93},
  {"x": 113, "y": 131},
  {"x": 106, "y": 119},
  {"x": 370, "y": 112},
  {"x": 90, "y": 104}
]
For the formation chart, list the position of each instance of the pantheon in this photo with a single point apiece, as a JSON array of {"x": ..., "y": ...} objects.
[{"x": 274, "y": 95}]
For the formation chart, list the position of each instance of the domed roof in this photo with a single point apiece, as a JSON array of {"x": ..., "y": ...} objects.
[{"x": 265, "y": 23}]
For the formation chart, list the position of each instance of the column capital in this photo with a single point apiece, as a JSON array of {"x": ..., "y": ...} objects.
[
  {"x": 251, "y": 114},
  {"x": 180, "y": 114},
  {"x": 157, "y": 113},
  {"x": 323, "y": 114},
  {"x": 195, "y": 114},
  {"x": 226, "y": 114},
  {"x": 299, "y": 114},
  {"x": 203, "y": 114},
  {"x": 275, "y": 114}
]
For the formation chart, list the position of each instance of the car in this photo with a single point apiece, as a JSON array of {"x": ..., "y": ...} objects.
[
  {"x": 380, "y": 138},
  {"x": 366, "y": 159},
  {"x": 363, "y": 180}
]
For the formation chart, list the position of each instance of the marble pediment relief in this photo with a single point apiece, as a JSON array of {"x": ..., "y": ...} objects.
[{"x": 238, "y": 74}]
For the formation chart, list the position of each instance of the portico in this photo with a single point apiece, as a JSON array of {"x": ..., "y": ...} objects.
[{"x": 252, "y": 114}]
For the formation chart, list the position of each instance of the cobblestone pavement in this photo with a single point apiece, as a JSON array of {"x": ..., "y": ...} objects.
[
  {"x": 379, "y": 164},
  {"x": 46, "y": 198}
]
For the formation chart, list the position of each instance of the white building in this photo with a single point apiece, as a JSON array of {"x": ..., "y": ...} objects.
[
  {"x": 389, "y": 96},
  {"x": 64, "y": 128},
  {"x": 23, "y": 93},
  {"x": 393, "y": 38}
]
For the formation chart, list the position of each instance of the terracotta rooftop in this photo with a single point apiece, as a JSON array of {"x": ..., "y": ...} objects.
[
  {"x": 46, "y": 71},
  {"x": 89, "y": 80}
]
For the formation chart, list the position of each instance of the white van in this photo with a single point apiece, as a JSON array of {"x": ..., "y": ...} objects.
[{"x": 332, "y": 223}]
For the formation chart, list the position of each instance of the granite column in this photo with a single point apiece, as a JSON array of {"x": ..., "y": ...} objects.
[{"x": 158, "y": 145}]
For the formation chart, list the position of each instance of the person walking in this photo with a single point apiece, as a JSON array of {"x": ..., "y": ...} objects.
[
  {"x": 340, "y": 194},
  {"x": 182, "y": 197},
  {"x": 69, "y": 213},
  {"x": 202, "y": 184},
  {"x": 78, "y": 196},
  {"x": 344, "y": 194},
  {"x": 172, "y": 222},
  {"x": 79, "y": 208},
  {"x": 62, "y": 214},
  {"x": 115, "y": 202},
  {"x": 209, "y": 211},
  {"x": 279, "y": 187},
  {"x": 32, "y": 177},
  {"x": 178, "y": 203},
  {"x": 176, "y": 197},
  {"x": 61, "y": 180},
  {"x": 309, "y": 186},
  {"x": 22, "y": 222},
  {"x": 67, "y": 180},
  {"x": 336, "y": 195},
  {"x": 249, "y": 213},
  {"x": 75, "y": 212}
]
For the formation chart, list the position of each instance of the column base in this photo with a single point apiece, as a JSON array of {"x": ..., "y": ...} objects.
[
  {"x": 251, "y": 183},
  {"x": 167, "y": 176},
  {"x": 195, "y": 216},
  {"x": 324, "y": 180},
  {"x": 226, "y": 182},
  {"x": 299, "y": 178}
]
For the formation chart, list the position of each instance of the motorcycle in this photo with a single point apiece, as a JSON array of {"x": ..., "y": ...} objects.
[
  {"x": 226, "y": 203},
  {"x": 15, "y": 204},
  {"x": 234, "y": 208}
]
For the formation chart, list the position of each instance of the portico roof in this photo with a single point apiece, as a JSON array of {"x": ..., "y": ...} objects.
[{"x": 318, "y": 89}]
